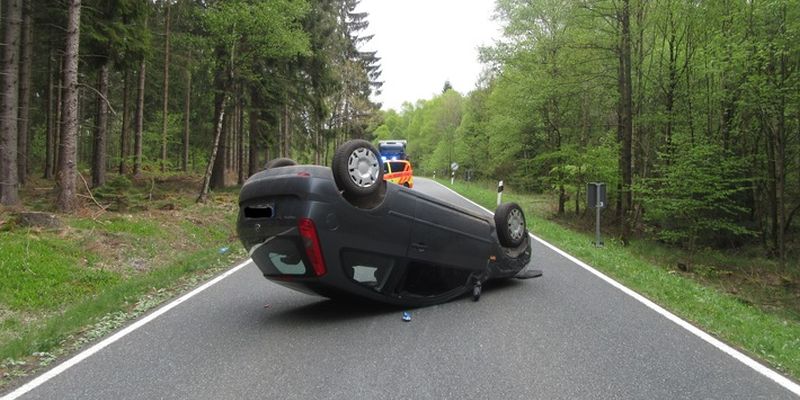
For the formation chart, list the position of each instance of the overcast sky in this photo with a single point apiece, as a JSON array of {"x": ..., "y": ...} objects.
[{"x": 423, "y": 43}]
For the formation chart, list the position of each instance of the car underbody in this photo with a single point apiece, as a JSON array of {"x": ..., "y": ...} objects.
[{"x": 392, "y": 245}]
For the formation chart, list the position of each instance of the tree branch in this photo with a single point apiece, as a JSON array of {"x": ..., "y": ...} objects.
[
  {"x": 86, "y": 185},
  {"x": 101, "y": 96}
]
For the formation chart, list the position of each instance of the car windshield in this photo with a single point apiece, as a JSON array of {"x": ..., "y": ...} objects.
[{"x": 395, "y": 166}]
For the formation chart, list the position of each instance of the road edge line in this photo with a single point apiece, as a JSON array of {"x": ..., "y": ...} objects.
[
  {"x": 52, "y": 373},
  {"x": 769, "y": 373}
]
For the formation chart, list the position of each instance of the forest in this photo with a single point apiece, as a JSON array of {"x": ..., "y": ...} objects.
[
  {"x": 689, "y": 111},
  {"x": 123, "y": 88}
]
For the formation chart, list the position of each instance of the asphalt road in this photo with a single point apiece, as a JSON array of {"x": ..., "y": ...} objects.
[{"x": 566, "y": 335}]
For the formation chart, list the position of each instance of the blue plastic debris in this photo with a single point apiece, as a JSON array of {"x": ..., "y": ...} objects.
[
  {"x": 224, "y": 250},
  {"x": 406, "y": 316}
]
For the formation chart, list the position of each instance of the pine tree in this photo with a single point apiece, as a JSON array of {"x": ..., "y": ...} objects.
[
  {"x": 68, "y": 162},
  {"x": 9, "y": 179}
]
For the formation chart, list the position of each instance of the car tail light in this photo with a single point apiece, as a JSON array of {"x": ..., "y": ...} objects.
[{"x": 311, "y": 242}]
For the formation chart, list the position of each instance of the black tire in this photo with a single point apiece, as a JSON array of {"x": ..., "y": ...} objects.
[
  {"x": 357, "y": 169},
  {"x": 280, "y": 162},
  {"x": 509, "y": 220}
]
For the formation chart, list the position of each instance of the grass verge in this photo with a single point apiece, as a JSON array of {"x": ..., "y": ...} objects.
[
  {"x": 63, "y": 287},
  {"x": 767, "y": 331}
]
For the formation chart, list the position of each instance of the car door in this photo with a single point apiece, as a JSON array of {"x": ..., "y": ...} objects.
[{"x": 449, "y": 236}]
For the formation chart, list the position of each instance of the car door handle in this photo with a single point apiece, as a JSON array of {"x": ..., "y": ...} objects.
[{"x": 419, "y": 246}]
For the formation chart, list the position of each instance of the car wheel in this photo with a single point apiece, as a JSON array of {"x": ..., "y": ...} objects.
[
  {"x": 510, "y": 223},
  {"x": 406, "y": 185},
  {"x": 357, "y": 169},
  {"x": 280, "y": 162}
]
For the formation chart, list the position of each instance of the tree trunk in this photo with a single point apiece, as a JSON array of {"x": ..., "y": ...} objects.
[
  {"x": 59, "y": 108},
  {"x": 554, "y": 123},
  {"x": 268, "y": 146},
  {"x": 772, "y": 179},
  {"x": 101, "y": 128},
  {"x": 618, "y": 206},
  {"x": 280, "y": 137},
  {"x": 241, "y": 144},
  {"x": 780, "y": 159},
  {"x": 626, "y": 120},
  {"x": 220, "y": 161},
  {"x": 287, "y": 132},
  {"x": 137, "y": 139},
  {"x": 165, "y": 110},
  {"x": 217, "y": 177},
  {"x": 672, "y": 85},
  {"x": 123, "y": 134},
  {"x": 50, "y": 138},
  {"x": 316, "y": 137},
  {"x": 228, "y": 133},
  {"x": 83, "y": 153},
  {"x": 187, "y": 109},
  {"x": 230, "y": 145},
  {"x": 67, "y": 169},
  {"x": 252, "y": 159},
  {"x": 9, "y": 179},
  {"x": 220, "y": 111},
  {"x": 23, "y": 137}
]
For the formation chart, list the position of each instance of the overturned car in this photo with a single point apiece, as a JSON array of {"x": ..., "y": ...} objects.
[{"x": 343, "y": 232}]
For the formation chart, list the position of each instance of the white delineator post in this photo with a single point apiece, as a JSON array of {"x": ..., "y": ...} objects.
[
  {"x": 598, "y": 242},
  {"x": 452, "y": 177},
  {"x": 499, "y": 193},
  {"x": 596, "y": 198}
]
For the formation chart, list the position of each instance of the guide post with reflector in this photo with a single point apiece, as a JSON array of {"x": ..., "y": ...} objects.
[
  {"x": 596, "y": 198},
  {"x": 499, "y": 193}
]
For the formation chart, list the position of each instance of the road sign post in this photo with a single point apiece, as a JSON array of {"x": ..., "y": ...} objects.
[
  {"x": 596, "y": 198},
  {"x": 453, "y": 167}
]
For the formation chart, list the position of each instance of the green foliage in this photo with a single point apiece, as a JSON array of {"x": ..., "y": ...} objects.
[
  {"x": 249, "y": 29},
  {"x": 548, "y": 116},
  {"x": 115, "y": 29},
  {"x": 694, "y": 196}
]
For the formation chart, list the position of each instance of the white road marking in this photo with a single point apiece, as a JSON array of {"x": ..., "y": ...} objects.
[
  {"x": 741, "y": 357},
  {"x": 117, "y": 336},
  {"x": 758, "y": 367}
]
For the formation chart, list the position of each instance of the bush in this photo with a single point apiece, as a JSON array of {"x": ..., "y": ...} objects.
[{"x": 693, "y": 195}]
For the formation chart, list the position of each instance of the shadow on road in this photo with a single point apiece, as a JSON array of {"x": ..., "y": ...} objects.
[{"x": 327, "y": 311}]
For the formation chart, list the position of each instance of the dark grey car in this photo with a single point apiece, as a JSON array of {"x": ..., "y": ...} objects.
[{"x": 343, "y": 232}]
